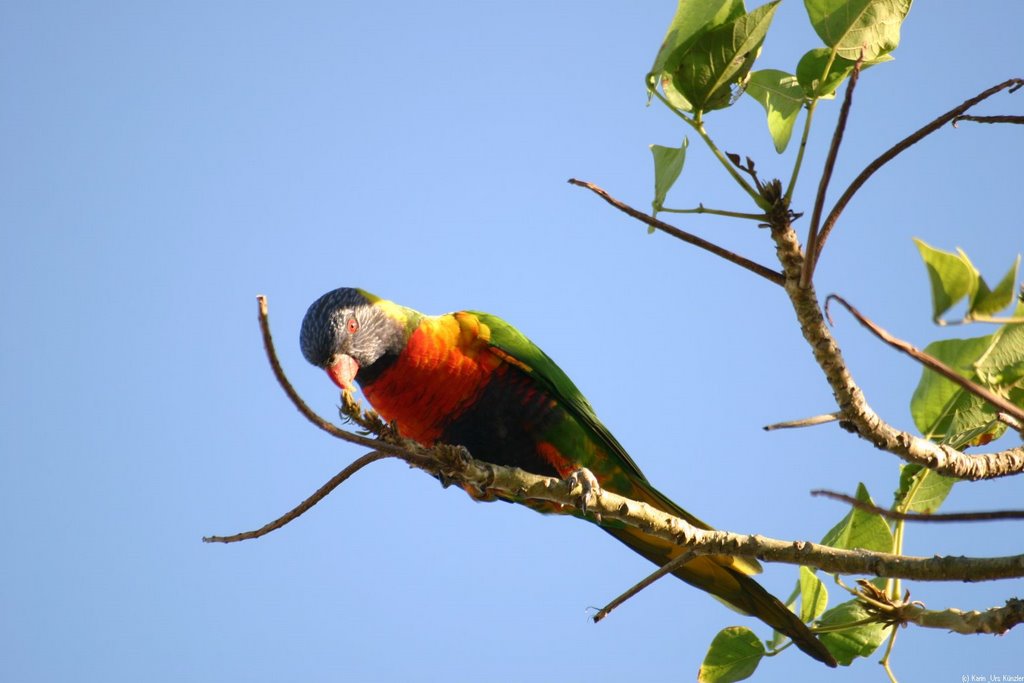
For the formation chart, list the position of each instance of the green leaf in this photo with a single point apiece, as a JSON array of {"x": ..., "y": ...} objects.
[
  {"x": 781, "y": 96},
  {"x": 720, "y": 58},
  {"x": 733, "y": 656},
  {"x": 813, "y": 595},
  {"x": 921, "y": 489},
  {"x": 861, "y": 529},
  {"x": 668, "y": 163},
  {"x": 951, "y": 276},
  {"x": 871, "y": 27},
  {"x": 990, "y": 301},
  {"x": 1000, "y": 366},
  {"x": 943, "y": 409},
  {"x": 810, "y": 71},
  {"x": 848, "y": 644},
  {"x": 692, "y": 18}
]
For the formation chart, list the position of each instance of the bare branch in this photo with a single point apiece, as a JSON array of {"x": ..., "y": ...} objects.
[
  {"x": 826, "y": 175},
  {"x": 305, "y": 505},
  {"x": 930, "y": 362},
  {"x": 520, "y": 485},
  {"x": 804, "y": 422},
  {"x": 662, "y": 571},
  {"x": 920, "y": 516},
  {"x": 1008, "y": 118},
  {"x": 907, "y": 142},
  {"x": 752, "y": 266}
]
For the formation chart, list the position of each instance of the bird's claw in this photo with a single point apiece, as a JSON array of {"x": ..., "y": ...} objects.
[{"x": 591, "y": 488}]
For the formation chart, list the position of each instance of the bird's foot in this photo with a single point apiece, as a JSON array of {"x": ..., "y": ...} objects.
[
  {"x": 586, "y": 480},
  {"x": 453, "y": 461}
]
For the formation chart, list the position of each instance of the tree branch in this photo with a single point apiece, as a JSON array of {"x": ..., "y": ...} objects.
[
  {"x": 305, "y": 505},
  {"x": 765, "y": 272},
  {"x": 458, "y": 466},
  {"x": 891, "y": 153},
  {"x": 662, "y": 571},
  {"x": 929, "y": 361},
  {"x": 826, "y": 175},
  {"x": 858, "y": 416},
  {"x": 804, "y": 422},
  {"x": 1007, "y": 118},
  {"x": 922, "y": 516},
  {"x": 996, "y": 620}
]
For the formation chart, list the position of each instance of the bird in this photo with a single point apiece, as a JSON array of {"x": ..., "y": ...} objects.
[{"x": 471, "y": 379}]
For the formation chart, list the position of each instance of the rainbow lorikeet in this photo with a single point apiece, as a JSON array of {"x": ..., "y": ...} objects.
[{"x": 471, "y": 379}]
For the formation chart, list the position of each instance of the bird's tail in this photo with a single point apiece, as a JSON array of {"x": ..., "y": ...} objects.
[{"x": 725, "y": 577}]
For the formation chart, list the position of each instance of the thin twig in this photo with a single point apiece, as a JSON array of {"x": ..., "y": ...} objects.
[
  {"x": 804, "y": 422},
  {"x": 912, "y": 139},
  {"x": 811, "y": 106},
  {"x": 305, "y": 505},
  {"x": 664, "y": 570},
  {"x": 888, "y": 652},
  {"x": 826, "y": 175},
  {"x": 921, "y": 516},
  {"x": 307, "y": 412},
  {"x": 1007, "y": 118},
  {"x": 929, "y": 361},
  {"x": 759, "y": 217},
  {"x": 765, "y": 272}
]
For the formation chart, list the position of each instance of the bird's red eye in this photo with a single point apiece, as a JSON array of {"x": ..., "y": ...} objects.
[{"x": 352, "y": 326}]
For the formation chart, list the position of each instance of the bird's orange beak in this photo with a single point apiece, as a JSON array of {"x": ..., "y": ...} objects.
[{"x": 343, "y": 372}]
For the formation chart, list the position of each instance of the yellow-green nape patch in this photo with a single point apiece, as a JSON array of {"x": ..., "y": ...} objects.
[
  {"x": 372, "y": 298},
  {"x": 399, "y": 314}
]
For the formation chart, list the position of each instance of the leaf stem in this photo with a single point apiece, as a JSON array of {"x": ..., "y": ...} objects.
[
  {"x": 811, "y": 106},
  {"x": 982, "y": 318},
  {"x": 763, "y": 271},
  {"x": 719, "y": 212},
  {"x": 888, "y": 651},
  {"x": 697, "y": 123},
  {"x": 844, "y": 627},
  {"x": 930, "y": 361}
]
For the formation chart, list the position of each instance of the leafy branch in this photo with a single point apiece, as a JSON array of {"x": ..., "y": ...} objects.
[
  {"x": 973, "y": 389},
  {"x": 931, "y": 362},
  {"x": 986, "y": 516},
  {"x": 856, "y": 414}
]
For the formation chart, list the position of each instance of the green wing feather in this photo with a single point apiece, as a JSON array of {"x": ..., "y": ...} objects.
[{"x": 546, "y": 373}]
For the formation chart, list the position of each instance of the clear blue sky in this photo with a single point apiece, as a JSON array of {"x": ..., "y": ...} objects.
[{"x": 164, "y": 163}]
